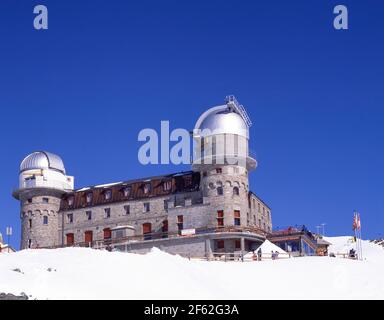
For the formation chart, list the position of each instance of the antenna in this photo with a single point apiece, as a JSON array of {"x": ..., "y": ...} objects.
[
  {"x": 323, "y": 225},
  {"x": 239, "y": 108}
]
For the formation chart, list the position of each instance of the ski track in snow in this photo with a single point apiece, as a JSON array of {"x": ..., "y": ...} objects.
[{"x": 79, "y": 273}]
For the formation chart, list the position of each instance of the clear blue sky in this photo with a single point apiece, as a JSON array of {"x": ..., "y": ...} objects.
[{"x": 106, "y": 69}]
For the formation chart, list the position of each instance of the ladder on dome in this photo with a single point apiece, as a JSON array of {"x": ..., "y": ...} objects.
[{"x": 239, "y": 108}]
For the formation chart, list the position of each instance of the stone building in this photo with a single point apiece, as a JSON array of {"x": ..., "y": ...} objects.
[{"x": 206, "y": 211}]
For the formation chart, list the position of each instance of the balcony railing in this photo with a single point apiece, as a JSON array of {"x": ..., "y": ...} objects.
[{"x": 103, "y": 243}]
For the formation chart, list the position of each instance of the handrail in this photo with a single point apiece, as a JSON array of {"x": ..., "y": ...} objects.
[{"x": 162, "y": 235}]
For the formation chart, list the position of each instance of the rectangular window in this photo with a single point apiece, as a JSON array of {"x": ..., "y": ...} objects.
[
  {"x": 220, "y": 244},
  {"x": 30, "y": 223},
  {"x": 147, "y": 207},
  {"x": 127, "y": 209},
  {"x": 45, "y": 219},
  {"x": 238, "y": 244},
  {"x": 220, "y": 218},
  {"x": 219, "y": 170},
  {"x": 258, "y": 207},
  {"x": 107, "y": 213},
  {"x": 165, "y": 205},
  {"x": 88, "y": 214},
  {"x": 45, "y": 200},
  {"x": 237, "y": 221},
  {"x": 220, "y": 191},
  {"x": 70, "y": 217},
  {"x": 180, "y": 223}
]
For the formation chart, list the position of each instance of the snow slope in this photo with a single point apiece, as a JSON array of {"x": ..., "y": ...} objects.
[{"x": 78, "y": 273}]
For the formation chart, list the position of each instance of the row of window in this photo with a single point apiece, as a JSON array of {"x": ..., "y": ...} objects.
[
  {"x": 44, "y": 200},
  {"x": 45, "y": 221},
  {"x": 147, "y": 188},
  {"x": 107, "y": 233},
  {"x": 107, "y": 212},
  {"x": 236, "y": 218},
  {"x": 220, "y": 191},
  {"x": 259, "y": 209},
  {"x": 236, "y": 170}
]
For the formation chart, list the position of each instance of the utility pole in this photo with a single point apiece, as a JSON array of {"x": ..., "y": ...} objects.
[
  {"x": 9, "y": 233},
  {"x": 323, "y": 225}
]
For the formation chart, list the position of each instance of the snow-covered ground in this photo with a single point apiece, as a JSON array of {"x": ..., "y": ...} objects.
[{"x": 76, "y": 273}]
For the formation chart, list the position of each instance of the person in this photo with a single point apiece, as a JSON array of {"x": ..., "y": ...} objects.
[
  {"x": 352, "y": 253},
  {"x": 254, "y": 257},
  {"x": 272, "y": 255},
  {"x": 259, "y": 254},
  {"x": 276, "y": 254}
]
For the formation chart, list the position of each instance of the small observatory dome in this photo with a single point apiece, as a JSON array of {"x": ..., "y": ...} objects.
[
  {"x": 222, "y": 121},
  {"x": 42, "y": 160}
]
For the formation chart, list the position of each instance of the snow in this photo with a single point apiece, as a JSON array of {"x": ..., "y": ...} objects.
[
  {"x": 80, "y": 273},
  {"x": 266, "y": 248}
]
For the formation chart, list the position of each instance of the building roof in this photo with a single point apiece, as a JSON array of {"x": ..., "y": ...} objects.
[
  {"x": 130, "y": 190},
  {"x": 323, "y": 242},
  {"x": 42, "y": 160},
  {"x": 221, "y": 120}
]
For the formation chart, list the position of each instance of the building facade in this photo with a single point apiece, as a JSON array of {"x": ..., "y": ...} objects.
[{"x": 206, "y": 211}]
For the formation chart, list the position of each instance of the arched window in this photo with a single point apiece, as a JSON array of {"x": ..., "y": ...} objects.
[
  {"x": 220, "y": 191},
  {"x": 108, "y": 195},
  {"x": 45, "y": 219},
  {"x": 127, "y": 191},
  {"x": 236, "y": 191},
  {"x": 89, "y": 197}
]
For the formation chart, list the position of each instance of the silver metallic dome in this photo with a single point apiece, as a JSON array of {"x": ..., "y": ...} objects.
[
  {"x": 42, "y": 160},
  {"x": 222, "y": 120}
]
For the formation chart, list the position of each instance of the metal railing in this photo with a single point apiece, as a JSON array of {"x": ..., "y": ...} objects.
[{"x": 102, "y": 243}]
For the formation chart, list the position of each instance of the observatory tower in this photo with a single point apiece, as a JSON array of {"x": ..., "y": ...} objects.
[
  {"x": 42, "y": 183},
  {"x": 221, "y": 137}
]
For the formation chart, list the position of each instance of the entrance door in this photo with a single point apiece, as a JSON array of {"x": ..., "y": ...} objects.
[
  {"x": 70, "y": 239},
  {"x": 107, "y": 233},
  {"x": 88, "y": 238},
  {"x": 147, "y": 230}
]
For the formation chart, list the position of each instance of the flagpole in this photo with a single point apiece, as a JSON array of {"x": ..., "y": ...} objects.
[{"x": 361, "y": 240}]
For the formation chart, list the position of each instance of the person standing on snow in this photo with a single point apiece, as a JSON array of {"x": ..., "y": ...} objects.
[{"x": 259, "y": 254}]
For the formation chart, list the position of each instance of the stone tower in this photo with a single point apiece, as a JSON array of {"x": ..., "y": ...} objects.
[
  {"x": 221, "y": 137},
  {"x": 42, "y": 183}
]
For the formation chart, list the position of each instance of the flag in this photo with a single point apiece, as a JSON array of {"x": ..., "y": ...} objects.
[
  {"x": 358, "y": 224},
  {"x": 354, "y": 226}
]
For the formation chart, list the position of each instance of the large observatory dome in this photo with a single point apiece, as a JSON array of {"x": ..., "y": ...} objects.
[
  {"x": 42, "y": 160},
  {"x": 222, "y": 120}
]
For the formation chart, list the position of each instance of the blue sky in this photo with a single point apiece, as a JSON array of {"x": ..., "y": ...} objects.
[{"x": 107, "y": 69}]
